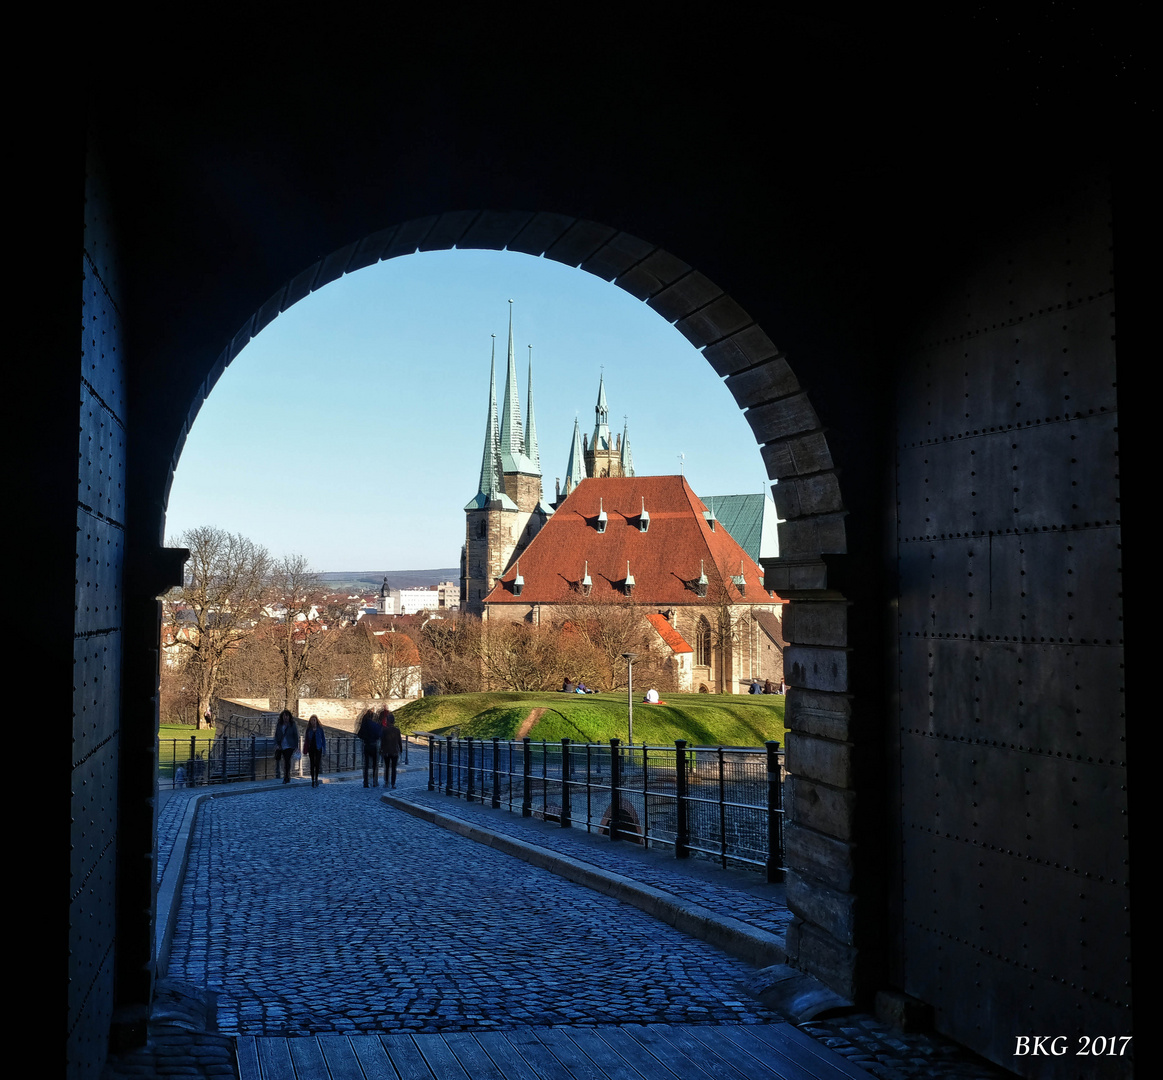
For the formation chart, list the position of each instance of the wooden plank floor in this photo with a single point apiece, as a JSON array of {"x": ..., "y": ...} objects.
[{"x": 630, "y": 1052}]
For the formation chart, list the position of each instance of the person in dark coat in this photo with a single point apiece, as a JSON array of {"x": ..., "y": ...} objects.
[
  {"x": 391, "y": 746},
  {"x": 369, "y": 734},
  {"x": 314, "y": 742},
  {"x": 286, "y": 743}
]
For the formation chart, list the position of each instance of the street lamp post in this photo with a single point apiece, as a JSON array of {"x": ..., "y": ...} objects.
[{"x": 630, "y": 657}]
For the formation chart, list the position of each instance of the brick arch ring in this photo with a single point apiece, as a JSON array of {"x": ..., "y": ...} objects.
[{"x": 786, "y": 427}]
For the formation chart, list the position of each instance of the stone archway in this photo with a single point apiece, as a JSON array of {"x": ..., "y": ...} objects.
[{"x": 795, "y": 452}]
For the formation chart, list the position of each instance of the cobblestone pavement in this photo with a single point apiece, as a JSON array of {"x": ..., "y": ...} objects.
[
  {"x": 318, "y": 957},
  {"x": 169, "y": 822},
  {"x": 739, "y": 894},
  {"x": 322, "y": 910},
  {"x": 875, "y": 1046}
]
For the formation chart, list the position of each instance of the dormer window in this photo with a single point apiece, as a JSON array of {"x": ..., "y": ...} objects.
[
  {"x": 710, "y": 517},
  {"x": 739, "y": 581},
  {"x": 601, "y": 522},
  {"x": 643, "y": 517},
  {"x": 587, "y": 582},
  {"x": 628, "y": 584},
  {"x": 518, "y": 581},
  {"x": 702, "y": 582}
]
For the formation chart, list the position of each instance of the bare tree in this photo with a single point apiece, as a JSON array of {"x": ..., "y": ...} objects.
[
  {"x": 218, "y": 604},
  {"x": 380, "y": 662},
  {"x": 593, "y": 635},
  {"x": 291, "y": 595},
  {"x": 450, "y": 653},
  {"x": 517, "y": 656},
  {"x": 730, "y": 621}
]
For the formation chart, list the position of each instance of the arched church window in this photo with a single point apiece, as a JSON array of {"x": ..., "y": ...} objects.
[{"x": 703, "y": 643}]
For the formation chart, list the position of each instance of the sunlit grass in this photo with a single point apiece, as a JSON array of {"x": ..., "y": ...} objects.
[{"x": 701, "y": 719}]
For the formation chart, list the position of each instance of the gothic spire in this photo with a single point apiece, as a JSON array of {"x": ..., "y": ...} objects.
[
  {"x": 575, "y": 469},
  {"x": 601, "y": 439},
  {"x": 490, "y": 488},
  {"x": 513, "y": 459},
  {"x": 627, "y": 457},
  {"x": 531, "y": 451}
]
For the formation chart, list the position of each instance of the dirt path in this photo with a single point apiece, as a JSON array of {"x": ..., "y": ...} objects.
[{"x": 528, "y": 723}]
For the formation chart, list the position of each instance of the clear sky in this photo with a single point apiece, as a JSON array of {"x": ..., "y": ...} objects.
[{"x": 351, "y": 429}]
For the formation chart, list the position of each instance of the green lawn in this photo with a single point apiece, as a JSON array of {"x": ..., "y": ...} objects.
[
  {"x": 169, "y": 751},
  {"x": 701, "y": 719}
]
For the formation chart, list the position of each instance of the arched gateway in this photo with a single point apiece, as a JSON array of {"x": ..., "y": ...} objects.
[{"x": 948, "y": 471}]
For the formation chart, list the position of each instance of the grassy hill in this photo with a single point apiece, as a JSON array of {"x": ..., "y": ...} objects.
[{"x": 701, "y": 719}]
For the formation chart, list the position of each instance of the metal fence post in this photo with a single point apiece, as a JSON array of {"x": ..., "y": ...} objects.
[
  {"x": 253, "y": 756},
  {"x": 544, "y": 781},
  {"x": 566, "y": 809},
  {"x": 448, "y": 767},
  {"x": 645, "y": 798},
  {"x": 774, "y": 814},
  {"x": 722, "y": 811},
  {"x": 526, "y": 779},
  {"x": 496, "y": 772},
  {"x": 682, "y": 827},
  {"x": 469, "y": 787},
  {"x": 615, "y": 780},
  {"x": 589, "y": 772},
  {"x": 431, "y": 758}
]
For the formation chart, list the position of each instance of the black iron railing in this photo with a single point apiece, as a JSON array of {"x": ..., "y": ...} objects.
[
  {"x": 724, "y": 803},
  {"x": 191, "y": 762}
]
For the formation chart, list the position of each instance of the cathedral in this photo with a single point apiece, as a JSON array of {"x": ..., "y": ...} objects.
[
  {"x": 611, "y": 536},
  {"x": 508, "y": 509}
]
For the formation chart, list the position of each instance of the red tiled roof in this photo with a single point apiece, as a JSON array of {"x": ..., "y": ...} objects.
[
  {"x": 664, "y": 560},
  {"x": 771, "y": 626},
  {"x": 669, "y": 634}
]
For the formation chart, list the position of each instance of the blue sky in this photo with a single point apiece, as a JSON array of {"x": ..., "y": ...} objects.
[{"x": 350, "y": 430}]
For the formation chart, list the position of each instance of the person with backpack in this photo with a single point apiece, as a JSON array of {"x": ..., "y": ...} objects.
[
  {"x": 369, "y": 734},
  {"x": 391, "y": 746}
]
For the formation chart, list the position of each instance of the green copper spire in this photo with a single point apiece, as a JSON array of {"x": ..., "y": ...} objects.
[
  {"x": 575, "y": 469},
  {"x": 531, "y": 451},
  {"x": 513, "y": 456},
  {"x": 601, "y": 439},
  {"x": 490, "y": 489}
]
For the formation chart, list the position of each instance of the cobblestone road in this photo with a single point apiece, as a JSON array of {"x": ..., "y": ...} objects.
[
  {"x": 322, "y": 910},
  {"x": 737, "y": 894}
]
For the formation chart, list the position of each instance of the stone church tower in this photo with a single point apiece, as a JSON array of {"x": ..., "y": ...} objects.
[
  {"x": 507, "y": 510},
  {"x": 606, "y": 456},
  {"x": 598, "y": 455}
]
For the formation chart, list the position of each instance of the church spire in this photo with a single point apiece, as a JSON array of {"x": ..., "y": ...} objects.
[
  {"x": 575, "y": 469},
  {"x": 601, "y": 439},
  {"x": 490, "y": 488},
  {"x": 513, "y": 457},
  {"x": 531, "y": 451},
  {"x": 627, "y": 457}
]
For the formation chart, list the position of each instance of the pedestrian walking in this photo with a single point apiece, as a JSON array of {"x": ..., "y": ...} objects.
[
  {"x": 391, "y": 746},
  {"x": 369, "y": 734},
  {"x": 315, "y": 742},
  {"x": 286, "y": 743}
]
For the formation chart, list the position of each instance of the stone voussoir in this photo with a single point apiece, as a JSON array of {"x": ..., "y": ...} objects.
[{"x": 824, "y": 760}]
